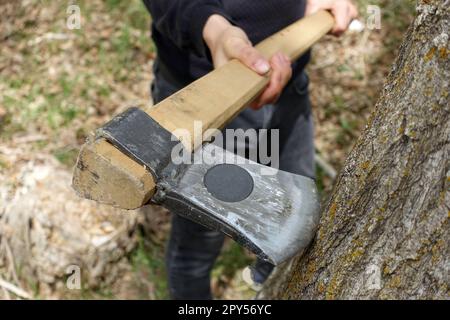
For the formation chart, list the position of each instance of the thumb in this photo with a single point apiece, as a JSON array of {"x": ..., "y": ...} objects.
[{"x": 249, "y": 56}]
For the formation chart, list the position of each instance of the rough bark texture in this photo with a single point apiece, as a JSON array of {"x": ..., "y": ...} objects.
[{"x": 384, "y": 232}]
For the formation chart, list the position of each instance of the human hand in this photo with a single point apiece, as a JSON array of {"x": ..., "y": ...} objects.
[
  {"x": 344, "y": 11},
  {"x": 227, "y": 42}
]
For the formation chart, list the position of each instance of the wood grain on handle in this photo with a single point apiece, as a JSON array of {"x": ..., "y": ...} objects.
[
  {"x": 105, "y": 174},
  {"x": 297, "y": 38},
  {"x": 217, "y": 97}
]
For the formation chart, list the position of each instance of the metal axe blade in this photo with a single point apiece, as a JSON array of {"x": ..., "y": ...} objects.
[{"x": 271, "y": 212}]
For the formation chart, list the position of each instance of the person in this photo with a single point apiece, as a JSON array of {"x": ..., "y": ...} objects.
[{"x": 194, "y": 36}]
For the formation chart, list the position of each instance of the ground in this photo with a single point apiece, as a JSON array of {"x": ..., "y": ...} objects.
[{"x": 59, "y": 84}]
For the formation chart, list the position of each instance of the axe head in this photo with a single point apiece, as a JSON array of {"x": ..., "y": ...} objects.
[{"x": 271, "y": 212}]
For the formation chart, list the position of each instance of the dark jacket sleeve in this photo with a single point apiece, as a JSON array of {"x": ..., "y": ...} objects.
[{"x": 182, "y": 21}]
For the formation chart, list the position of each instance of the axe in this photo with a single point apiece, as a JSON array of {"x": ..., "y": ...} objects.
[{"x": 127, "y": 163}]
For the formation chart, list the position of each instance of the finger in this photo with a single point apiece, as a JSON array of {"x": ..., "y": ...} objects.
[
  {"x": 311, "y": 9},
  {"x": 249, "y": 56},
  {"x": 258, "y": 104},
  {"x": 280, "y": 76},
  {"x": 354, "y": 11},
  {"x": 342, "y": 17},
  {"x": 286, "y": 66},
  {"x": 282, "y": 72},
  {"x": 283, "y": 63}
]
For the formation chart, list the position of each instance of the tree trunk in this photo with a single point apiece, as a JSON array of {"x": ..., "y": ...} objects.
[{"x": 384, "y": 232}]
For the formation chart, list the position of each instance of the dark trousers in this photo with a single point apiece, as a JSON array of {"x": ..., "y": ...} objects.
[{"x": 192, "y": 248}]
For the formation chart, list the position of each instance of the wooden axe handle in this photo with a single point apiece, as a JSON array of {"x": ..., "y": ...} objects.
[
  {"x": 105, "y": 174},
  {"x": 296, "y": 39}
]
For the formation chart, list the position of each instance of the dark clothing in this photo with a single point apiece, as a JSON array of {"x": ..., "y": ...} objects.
[
  {"x": 192, "y": 248},
  {"x": 178, "y": 25}
]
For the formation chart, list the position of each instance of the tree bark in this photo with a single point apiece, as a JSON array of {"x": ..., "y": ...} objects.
[{"x": 384, "y": 233}]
